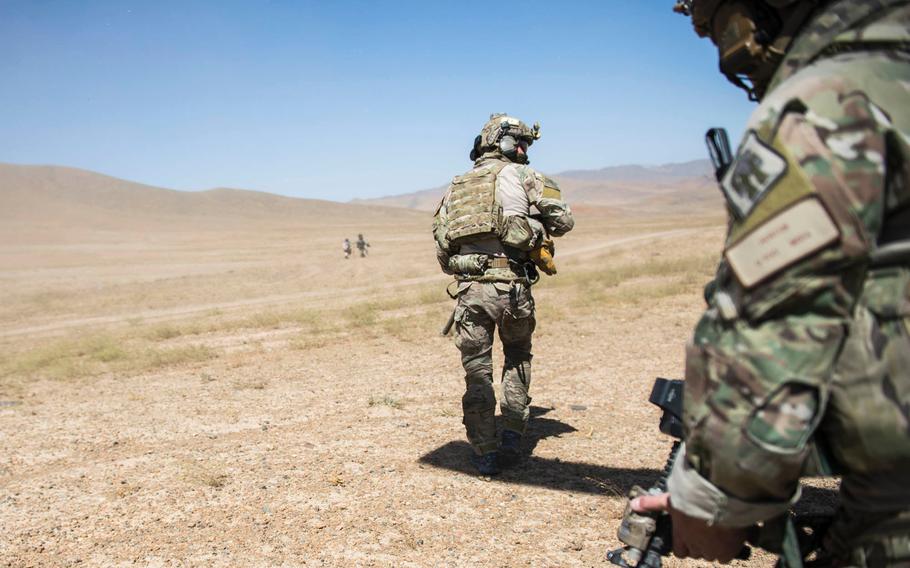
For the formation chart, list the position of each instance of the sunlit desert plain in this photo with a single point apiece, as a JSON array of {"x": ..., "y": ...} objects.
[{"x": 204, "y": 380}]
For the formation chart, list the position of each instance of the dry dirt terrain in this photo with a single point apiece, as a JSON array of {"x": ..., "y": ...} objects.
[{"x": 241, "y": 395}]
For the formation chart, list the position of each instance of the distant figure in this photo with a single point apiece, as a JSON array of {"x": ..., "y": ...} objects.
[
  {"x": 346, "y": 248},
  {"x": 362, "y": 245}
]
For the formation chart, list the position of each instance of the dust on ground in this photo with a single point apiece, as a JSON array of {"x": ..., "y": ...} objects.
[{"x": 257, "y": 400}]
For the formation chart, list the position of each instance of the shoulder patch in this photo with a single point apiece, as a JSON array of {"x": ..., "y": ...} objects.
[
  {"x": 793, "y": 234},
  {"x": 755, "y": 170},
  {"x": 550, "y": 188}
]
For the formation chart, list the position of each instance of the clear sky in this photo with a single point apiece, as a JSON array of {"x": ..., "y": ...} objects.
[{"x": 349, "y": 98}]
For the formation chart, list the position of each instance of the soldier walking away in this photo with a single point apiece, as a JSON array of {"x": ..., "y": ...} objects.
[
  {"x": 346, "y": 248},
  {"x": 801, "y": 363},
  {"x": 485, "y": 234},
  {"x": 362, "y": 245}
]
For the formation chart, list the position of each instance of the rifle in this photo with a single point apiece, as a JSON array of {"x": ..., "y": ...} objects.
[
  {"x": 449, "y": 323},
  {"x": 646, "y": 537},
  {"x": 719, "y": 151}
]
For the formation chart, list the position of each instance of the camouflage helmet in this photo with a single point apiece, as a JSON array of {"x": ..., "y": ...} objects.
[
  {"x": 751, "y": 36},
  {"x": 505, "y": 134}
]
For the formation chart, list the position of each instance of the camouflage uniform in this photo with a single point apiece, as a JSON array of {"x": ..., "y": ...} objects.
[
  {"x": 494, "y": 290},
  {"x": 362, "y": 245},
  {"x": 801, "y": 362}
]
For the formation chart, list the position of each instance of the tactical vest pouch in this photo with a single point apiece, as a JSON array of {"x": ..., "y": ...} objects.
[
  {"x": 887, "y": 292},
  {"x": 866, "y": 424},
  {"x": 473, "y": 209},
  {"x": 469, "y": 264}
]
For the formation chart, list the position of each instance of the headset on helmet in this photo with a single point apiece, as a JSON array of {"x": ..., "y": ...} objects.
[
  {"x": 751, "y": 36},
  {"x": 505, "y": 134}
]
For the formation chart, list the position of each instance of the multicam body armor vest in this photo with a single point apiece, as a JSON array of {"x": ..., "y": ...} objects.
[
  {"x": 474, "y": 211},
  {"x": 484, "y": 229},
  {"x": 469, "y": 225}
]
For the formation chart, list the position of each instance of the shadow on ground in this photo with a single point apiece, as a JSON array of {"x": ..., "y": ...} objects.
[
  {"x": 584, "y": 477},
  {"x": 544, "y": 472}
]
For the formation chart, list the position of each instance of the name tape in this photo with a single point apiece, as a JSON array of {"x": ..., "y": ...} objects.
[{"x": 789, "y": 236}]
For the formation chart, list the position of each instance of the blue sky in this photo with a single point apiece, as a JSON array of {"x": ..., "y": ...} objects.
[{"x": 344, "y": 99}]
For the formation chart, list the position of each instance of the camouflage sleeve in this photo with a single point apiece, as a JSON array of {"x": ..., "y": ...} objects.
[
  {"x": 442, "y": 257},
  {"x": 440, "y": 228},
  {"x": 555, "y": 213},
  {"x": 806, "y": 192}
]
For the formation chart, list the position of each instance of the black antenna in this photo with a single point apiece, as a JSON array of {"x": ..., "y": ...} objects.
[{"x": 719, "y": 151}]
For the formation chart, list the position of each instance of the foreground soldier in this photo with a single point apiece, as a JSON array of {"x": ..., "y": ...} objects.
[
  {"x": 802, "y": 360},
  {"x": 484, "y": 236}
]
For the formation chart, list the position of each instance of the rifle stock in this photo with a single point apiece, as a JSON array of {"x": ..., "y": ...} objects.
[{"x": 449, "y": 323}]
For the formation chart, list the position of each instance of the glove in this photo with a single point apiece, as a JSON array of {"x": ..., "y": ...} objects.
[{"x": 542, "y": 255}]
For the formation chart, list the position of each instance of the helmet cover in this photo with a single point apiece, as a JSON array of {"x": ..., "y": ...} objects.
[
  {"x": 751, "y": 35},
  {"x": 505, "y": 134}
]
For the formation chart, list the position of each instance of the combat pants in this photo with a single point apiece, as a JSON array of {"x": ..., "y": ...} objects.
[{"x": 482, "y": 307}]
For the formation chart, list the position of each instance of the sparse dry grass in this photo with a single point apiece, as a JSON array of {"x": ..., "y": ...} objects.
[
  {"x": 618, "y": 280},
  {"x": 386, "y": 400},
  {"x": 402, "y": 313},
  {"x": 93, "y": 355},
  {"x": 204, "y": 474},
  {"x": 405, "y": 314},
  {"x": 367, "y": 454}
]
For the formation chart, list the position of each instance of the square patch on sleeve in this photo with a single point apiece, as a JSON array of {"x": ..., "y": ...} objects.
[
  {"x": 755, "y": 170},
  {"x": 791, "y": 235}
]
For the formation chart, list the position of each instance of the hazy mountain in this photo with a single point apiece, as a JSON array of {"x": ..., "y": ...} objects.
[
  {"x": 662, "y": 173},
  {"x": 631, "y": 187},
  {"x": 54, "y": 198},
  {"x": 51, "y": 202}
]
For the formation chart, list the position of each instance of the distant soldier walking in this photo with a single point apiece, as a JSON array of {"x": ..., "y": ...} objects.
[
  {"x": 346, "y": 248},
  {"x": 486, "y": 237},
  {"x": 362, "y": 245}
]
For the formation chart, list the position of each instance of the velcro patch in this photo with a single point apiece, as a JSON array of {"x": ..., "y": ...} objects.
[
  {"x": 551, "y": 188},
  {"x": 795, "y": 233},
  {"x": 755, "y": 170}
]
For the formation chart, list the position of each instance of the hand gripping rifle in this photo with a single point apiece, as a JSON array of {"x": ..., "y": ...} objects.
[{"x": 648, "y": 536}]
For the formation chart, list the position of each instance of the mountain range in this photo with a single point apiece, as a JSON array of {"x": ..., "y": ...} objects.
[
  {"x": 36, "y": 199},
  {"x": 631, "y": 187}
]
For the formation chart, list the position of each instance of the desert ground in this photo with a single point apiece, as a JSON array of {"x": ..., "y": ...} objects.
[{"x": 241, "y": 395}]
